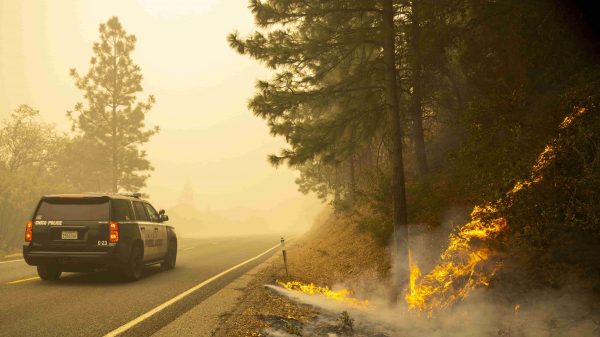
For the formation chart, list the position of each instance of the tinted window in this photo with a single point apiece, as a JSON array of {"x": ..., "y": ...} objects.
[
  {"x": 140, "y": 213},
  {"x": 73, "y": 209},
  {"x": 121, "y": 210},
  {"x": 152, "y": 213}
]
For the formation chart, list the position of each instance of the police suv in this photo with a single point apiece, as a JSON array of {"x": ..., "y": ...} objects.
[{"x": 85, "y": 232}]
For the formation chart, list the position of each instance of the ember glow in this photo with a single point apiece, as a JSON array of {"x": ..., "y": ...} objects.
[
  {"x": 343, "y": 296},
  {"x": 468, "y": 262}
]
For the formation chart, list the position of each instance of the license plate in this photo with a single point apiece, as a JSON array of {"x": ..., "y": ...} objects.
[{"x": 69, "y": 235}]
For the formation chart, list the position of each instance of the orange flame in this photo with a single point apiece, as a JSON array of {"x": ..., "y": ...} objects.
[
  {"x": 343, "y": 296},
  {"x": 461, "y": 268},
  {"x": 467, "y": 263}
]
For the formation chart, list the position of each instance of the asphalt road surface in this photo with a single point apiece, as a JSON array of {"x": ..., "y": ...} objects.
[{"x": 95, "y": 304}]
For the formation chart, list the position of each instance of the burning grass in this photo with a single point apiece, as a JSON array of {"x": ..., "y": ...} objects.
[
  {"x": 462, "y": 268},
  {"x": 468, "y": 262},
  {"x": 339, "y": 253},
  {"x": 343, "y": 295}
]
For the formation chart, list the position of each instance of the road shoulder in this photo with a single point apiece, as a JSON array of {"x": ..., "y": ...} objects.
[
  {"x": 327, "y": 255},
  {"x": 205, "y": 318}
]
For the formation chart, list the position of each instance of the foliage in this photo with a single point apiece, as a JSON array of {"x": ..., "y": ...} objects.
[
  {"x": 516, "y": 66},
  {"x": 561, "y": 213},
  {"x": 29, "y": 167},
  {"x": 23, "y": 141},
  {"x": 326, "y": 98},
  {"x": 111, "y": 124},
  {"x": 487, "y": 82}
]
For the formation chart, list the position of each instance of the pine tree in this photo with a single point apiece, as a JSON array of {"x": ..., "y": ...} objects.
[
  {"x": 416, "y": 104},
  {"x": 398, "y": 185},
  {"x": 112, "y": 118},
  {"x": 334, "y": 91},
  {"x": 326, "y": 99}
]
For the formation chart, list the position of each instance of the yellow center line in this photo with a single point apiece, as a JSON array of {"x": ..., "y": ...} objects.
[{"x": 24, "y": 280}]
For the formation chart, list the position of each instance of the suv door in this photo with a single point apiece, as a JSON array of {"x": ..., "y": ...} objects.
[
  {"x": 146, "y": 230},
  {"x": 160, "y": 241}
]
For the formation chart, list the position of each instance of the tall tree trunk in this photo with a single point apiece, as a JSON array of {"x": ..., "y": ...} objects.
[
  {"x": 336, "y": 199},
  {"x": 400, "y": 273},
  {"x": 416, "y": 106},
  {"x": 352, "y": 181},
  {"x": 115, "y": 168}
]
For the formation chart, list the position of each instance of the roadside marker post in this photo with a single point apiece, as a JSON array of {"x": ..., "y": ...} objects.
[{"x": 287, "y": 274}]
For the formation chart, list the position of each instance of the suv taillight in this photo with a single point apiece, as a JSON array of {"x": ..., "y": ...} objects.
[
  {"x": 113, "y": 234},
  {"x": 29, "y": 231}
]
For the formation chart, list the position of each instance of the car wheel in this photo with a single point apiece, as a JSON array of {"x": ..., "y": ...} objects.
[
  {"x": 171, "y": 257},
  {"x": 135, "y": 266},
  {"x": 49, "y": 273}
]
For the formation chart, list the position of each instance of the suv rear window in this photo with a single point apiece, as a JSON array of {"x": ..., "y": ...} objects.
[
  {"x": 73, "y": 209},
  {"x": 121, "y": 210}
]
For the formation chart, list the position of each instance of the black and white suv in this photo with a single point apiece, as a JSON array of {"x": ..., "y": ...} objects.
[{"x": 86, "y": 232}]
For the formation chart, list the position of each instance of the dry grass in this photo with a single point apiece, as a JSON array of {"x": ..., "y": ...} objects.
[
  {"x": 332, "y": 253},
  {"x": 335, "y": 251}
]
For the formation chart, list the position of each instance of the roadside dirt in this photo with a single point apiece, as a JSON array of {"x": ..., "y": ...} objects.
[
  {"x": 325, "y": 257},
  {"x": 338, "y": 255}
]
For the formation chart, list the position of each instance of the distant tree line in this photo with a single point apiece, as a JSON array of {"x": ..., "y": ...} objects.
[
  {"x": 480, "y": 88},
  {"x": 101, "y": 153}
]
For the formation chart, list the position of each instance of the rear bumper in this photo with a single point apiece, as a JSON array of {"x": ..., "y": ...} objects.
[{"x": 114, "y": 257}]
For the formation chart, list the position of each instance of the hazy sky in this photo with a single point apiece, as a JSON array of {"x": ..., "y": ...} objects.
[{"x": 201, "y": 86}]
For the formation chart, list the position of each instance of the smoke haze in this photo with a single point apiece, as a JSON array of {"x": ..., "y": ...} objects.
[{"x": 208, "y": 137}]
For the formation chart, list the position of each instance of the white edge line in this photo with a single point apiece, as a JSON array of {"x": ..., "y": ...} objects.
[
  {"x": 148, "y": 314},
  {"x": 9, "y": 261}
]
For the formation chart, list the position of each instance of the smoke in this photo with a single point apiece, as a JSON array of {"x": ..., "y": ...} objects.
[
  {"x": 277, "y": 333},
  {"x": 539, "y": 314},
  {"x": 488, "y": 311}
]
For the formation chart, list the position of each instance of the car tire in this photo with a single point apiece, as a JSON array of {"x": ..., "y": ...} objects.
[
  {"x": 49, "y": 273},
  {"x": 134, "y": 268},
  {"x": 171, "y": 257}
]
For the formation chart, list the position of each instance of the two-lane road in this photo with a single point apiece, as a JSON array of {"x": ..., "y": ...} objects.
[{"x": 95, "y": 304}]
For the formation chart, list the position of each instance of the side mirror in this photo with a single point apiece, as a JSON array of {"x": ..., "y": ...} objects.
[{"x": 162, "y": 216}]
